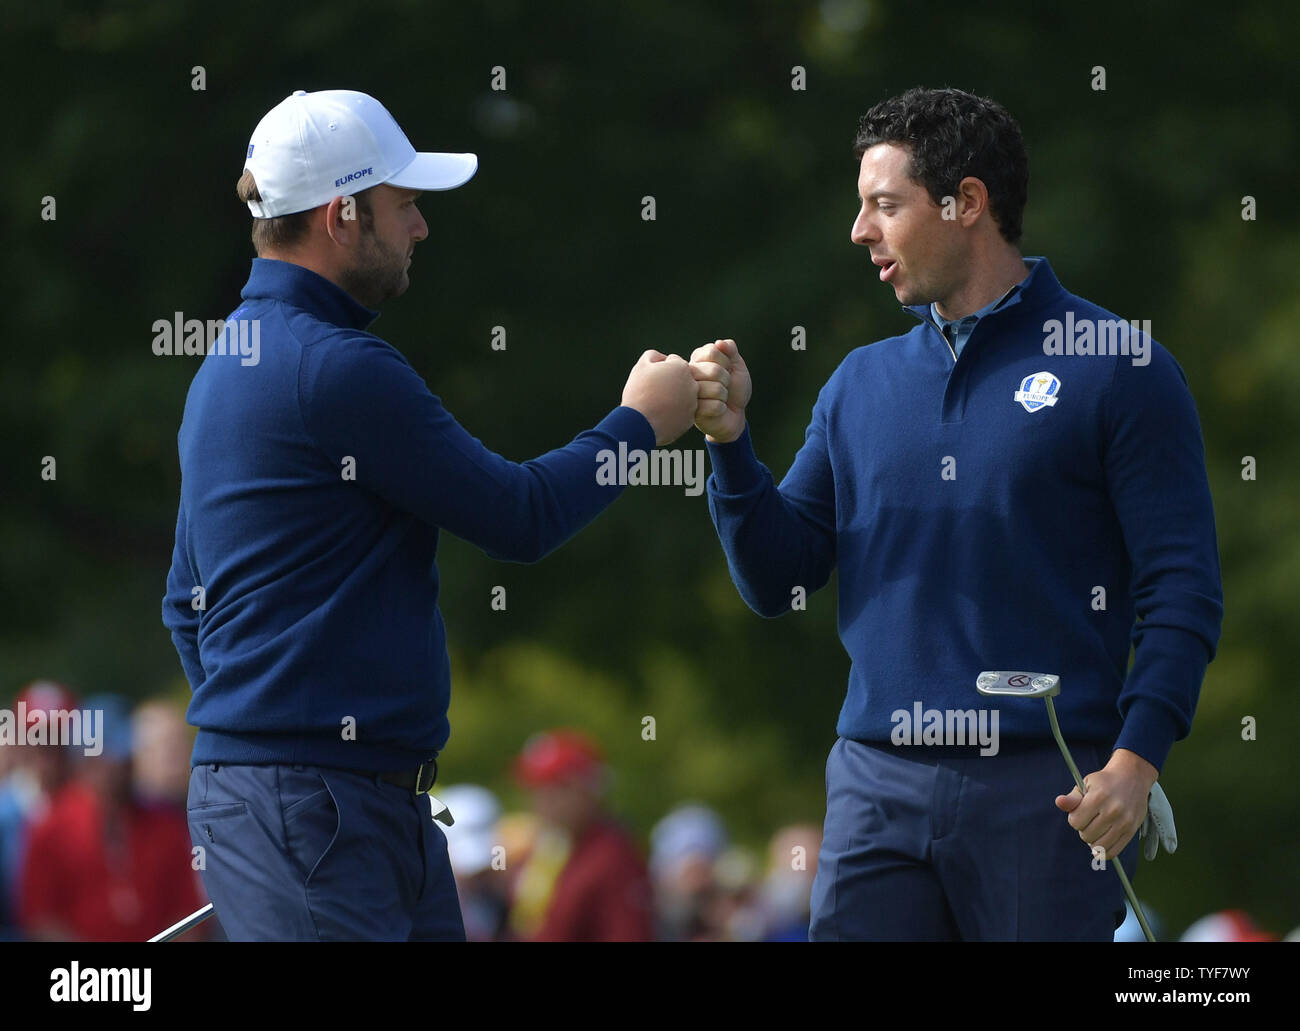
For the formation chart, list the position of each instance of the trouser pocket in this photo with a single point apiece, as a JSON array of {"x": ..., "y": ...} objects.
[
  {"x": 207, "y": 820},
  {"x": 312, "y": 818}
]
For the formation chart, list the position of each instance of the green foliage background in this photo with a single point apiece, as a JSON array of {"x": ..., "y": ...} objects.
[{"x": 1135, "y": 196}]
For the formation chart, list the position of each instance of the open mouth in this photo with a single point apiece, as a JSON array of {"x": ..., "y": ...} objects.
[{"x": 887, "y": 271}]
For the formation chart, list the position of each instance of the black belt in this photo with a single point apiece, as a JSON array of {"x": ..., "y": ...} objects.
[{"x": 419, "y": 780}]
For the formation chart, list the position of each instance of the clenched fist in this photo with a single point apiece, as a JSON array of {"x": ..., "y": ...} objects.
[
  {"x": 724, "y": 390},
  {"x": 662, "y": 389}
]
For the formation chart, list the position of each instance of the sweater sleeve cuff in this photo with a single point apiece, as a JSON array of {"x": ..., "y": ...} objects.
[
  {"x": 1150, "y": 730},
  {"x": 736, "y": 469},
  {"x": 1168, "y": 667},
  {"x": 629, "y": 425}
]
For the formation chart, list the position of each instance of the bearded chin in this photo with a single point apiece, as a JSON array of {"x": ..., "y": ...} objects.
[
  {"x": 376, "y": 273},
  {"x": 375, "y": 277}
]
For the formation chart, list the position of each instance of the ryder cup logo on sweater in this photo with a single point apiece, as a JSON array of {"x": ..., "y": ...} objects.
[{"x": 1037, "y": 391}]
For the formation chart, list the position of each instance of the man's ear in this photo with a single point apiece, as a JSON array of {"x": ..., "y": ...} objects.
[
  {"x": 341, "y": 221},
  {"x": 973, "y": 200}
]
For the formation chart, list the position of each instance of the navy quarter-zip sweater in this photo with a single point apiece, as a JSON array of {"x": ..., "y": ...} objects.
[
  {"x": 971, "y": 533},
  {"x": 314, "y": 484}
]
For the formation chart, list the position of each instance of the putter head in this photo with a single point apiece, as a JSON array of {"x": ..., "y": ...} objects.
[
  {"x": 1017, "y": 684},
  {"x": 440, "y": 812}
]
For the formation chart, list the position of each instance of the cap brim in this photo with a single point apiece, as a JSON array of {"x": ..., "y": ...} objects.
[{"x": 436, "y": 172}]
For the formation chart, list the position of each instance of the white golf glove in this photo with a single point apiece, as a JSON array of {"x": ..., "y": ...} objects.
[{"x": 1158, "y": 827}]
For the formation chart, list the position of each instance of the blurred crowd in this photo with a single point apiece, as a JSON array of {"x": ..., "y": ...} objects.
[
  {"x": 94, "y": 844},
  {"x": 95, "y": 847},
  {"x": 565, "y": 869}
]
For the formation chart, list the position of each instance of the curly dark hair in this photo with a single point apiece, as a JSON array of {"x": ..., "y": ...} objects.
[{"x": 950, "y": 134}]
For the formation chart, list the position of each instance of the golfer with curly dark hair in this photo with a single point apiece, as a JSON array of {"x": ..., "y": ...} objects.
[{"x": 1016, "y": 483}]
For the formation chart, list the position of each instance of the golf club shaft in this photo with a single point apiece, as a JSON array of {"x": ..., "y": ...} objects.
[
  {"x": 1078, "y": 780},
  {"x": 179, "y": 928}
]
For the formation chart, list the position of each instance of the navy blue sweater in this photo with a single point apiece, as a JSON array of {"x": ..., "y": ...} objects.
[
  {"x": 313, "y": 487},
  {"x": 970, "y": 532}
]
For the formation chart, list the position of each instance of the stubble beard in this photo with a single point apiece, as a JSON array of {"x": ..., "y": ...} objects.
[{"x": 377, "y": 275}]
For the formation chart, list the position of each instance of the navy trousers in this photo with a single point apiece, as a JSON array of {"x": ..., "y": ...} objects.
[
  {"x": 305, "y": 853},
  {"x": 932, "y": 844}
]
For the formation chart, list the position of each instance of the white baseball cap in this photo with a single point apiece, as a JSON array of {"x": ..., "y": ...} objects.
[{"x": 313, "y": 147}]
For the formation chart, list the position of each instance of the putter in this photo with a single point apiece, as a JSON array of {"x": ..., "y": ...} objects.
[
  {"x": 180, "y": 927},
  {"x": 440, "y": 812},
  {"x": 1044, "y": 686}
]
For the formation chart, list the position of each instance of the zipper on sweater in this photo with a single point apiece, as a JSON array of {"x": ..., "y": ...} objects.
[
  {"x": 945, "y": 340},
  {"x": 935, "y": 327}
]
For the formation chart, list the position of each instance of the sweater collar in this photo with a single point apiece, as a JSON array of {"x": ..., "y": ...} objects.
[
  {"x": 308, "y": 290},
  {"x": 1040, "y": 286}
]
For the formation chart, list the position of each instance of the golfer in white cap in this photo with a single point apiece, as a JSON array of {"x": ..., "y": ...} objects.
[{"x": 303, "y": 592}]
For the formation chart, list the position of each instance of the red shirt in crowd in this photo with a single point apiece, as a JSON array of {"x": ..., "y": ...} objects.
[
  {"x": 73, "y": 878},
  {"x": 603, "y": 892}
]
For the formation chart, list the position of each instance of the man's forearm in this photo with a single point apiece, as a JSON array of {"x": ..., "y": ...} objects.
[
  {"x": 1160, "y": 694},
  {"x": 771, "y": 549},
  {"x": 554, "y": 496}
]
